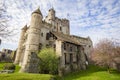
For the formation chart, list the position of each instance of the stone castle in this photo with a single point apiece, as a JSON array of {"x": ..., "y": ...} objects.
[{"x": 53, "y": 32}]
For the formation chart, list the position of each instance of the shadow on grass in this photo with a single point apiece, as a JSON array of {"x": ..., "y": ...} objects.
[{"x": 114, "y": 72}]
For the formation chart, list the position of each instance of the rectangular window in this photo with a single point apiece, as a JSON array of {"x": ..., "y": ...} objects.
[
  {"x": 47, "y": 36},
  {"x": 42, "y": 34},
  {"x": 64, "y": 46},
  {"x": 54, "y": 46},
  {"x": 60, "y": 28},
  {"x": 40, "y": 46},
  {"x": 71, "y": 48},
  {"x": 65, "y": 58},
  {"x": 77, "y": 58},
  {"x": 71, "y": 58}
]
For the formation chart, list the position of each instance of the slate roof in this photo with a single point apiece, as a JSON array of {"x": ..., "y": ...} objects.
[
  {"x": 66, "y": 38},
  {"x": 37, "y": 11},
  {"x": 25, "y": 27}
]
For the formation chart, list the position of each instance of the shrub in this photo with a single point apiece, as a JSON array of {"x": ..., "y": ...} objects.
[
  {"x": 9, "y": 66},
  {"x": 49, "y": 61}
]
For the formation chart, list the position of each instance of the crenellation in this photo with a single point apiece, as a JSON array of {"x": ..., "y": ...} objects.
[{"x": 53, "y": 32}]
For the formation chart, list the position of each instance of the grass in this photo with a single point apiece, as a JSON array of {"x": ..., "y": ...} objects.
[
  {"x": 3, "y": 63},
  {"x": 92, "y": 73},
  {"x": 23, "y": 76}
]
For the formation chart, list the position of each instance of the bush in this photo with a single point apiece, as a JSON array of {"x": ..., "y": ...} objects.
[
  {"x": 9, "y": 66},
  {"x": 49, "y": 61}
]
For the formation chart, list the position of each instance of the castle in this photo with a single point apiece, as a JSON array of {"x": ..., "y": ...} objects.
[{"x": 53, "y": 32}]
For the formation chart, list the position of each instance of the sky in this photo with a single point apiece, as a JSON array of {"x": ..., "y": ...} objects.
[{"x": 97, "y": 19}]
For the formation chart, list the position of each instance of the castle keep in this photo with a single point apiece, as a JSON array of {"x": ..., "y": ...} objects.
[{"x": 53, "y": 32}]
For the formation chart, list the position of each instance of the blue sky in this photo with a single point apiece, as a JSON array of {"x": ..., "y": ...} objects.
[{"x": 95, "y": 18}]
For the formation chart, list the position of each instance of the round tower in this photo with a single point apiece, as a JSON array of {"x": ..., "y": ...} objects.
[
  {"x": 32, "y": 43},
  {"x": 20, "y": 46},
  {"x": 51, "y": 14}
]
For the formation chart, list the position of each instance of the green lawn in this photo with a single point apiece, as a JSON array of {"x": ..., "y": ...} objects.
[
  {"x": 92, "y": 73},
  {"x": 23, "y": 76}
]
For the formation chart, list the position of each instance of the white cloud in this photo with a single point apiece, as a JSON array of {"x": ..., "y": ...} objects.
[{"x": 95, "y": 18}]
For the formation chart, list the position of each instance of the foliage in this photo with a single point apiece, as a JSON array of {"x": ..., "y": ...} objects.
[
  {"x": 5, "y": 30},
  {"x": 17, "y": 67},
  {"x": 22, "y": 76},
  {"x": 49, "y": 61},
  {"x": 92, "y": 73},
  {"x": 104, "y": 53},
  {"x": 9, "y": 66}
]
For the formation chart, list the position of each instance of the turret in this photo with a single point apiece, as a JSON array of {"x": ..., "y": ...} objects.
[
  {"x": 51, "y": 14},
  {"x": 20, "y": 46},
  {"x": 65, "y": 23},
  {"x": 32, "y": 43}
]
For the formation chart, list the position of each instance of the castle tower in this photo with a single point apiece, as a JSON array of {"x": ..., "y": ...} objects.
[
  {"x": 30, "y": 60},
  {"x": 51, "y": 14},
  {"x": 20, "y": 46},
  {"x": 66, "y": 24}
]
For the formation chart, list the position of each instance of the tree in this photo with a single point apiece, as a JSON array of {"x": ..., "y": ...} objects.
[
  {"x": 49, "y": 61},
  {"x": 5, "y": 30},
  {"x": 104, "y": 53}
]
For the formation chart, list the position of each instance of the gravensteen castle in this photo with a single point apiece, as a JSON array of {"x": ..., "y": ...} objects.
[{"x": 51, "y": 32}]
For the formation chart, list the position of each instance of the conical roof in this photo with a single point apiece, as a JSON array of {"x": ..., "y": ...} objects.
[
  {"x": 37, "y": 11},
  {"x": 25, "y": 27}
]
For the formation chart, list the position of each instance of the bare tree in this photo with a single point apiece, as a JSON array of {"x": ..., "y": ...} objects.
[
  {"x": 105, "y": 52},
  {"x": 5, "y": 30}
]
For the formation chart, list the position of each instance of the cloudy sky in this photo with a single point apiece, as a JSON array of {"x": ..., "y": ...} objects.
[{"x": 95, "y": 18}]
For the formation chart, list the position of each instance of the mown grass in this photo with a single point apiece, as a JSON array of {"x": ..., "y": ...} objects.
[
  {"x": 22, "y": 76},
  {"x": 25, "y": 76},
  {"x": 92, "y": 73}
]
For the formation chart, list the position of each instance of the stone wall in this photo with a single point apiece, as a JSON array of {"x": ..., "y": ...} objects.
[
  {"x": 36, "y": 37},
  {"x": 32, "y": 65}
]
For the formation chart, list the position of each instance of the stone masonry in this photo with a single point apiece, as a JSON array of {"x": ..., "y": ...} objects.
[{"x": 53, "y": 32}]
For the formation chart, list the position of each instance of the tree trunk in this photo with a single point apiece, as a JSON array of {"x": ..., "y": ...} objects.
[{"x": 108, "y": 69}]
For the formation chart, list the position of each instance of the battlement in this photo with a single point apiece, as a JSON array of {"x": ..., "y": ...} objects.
[
  {"x": 50, "y": 10},
  {"x": 65, "y": 21},
  {"x": 58, "y": 24},
  {"x": 55, "y": 32}
]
